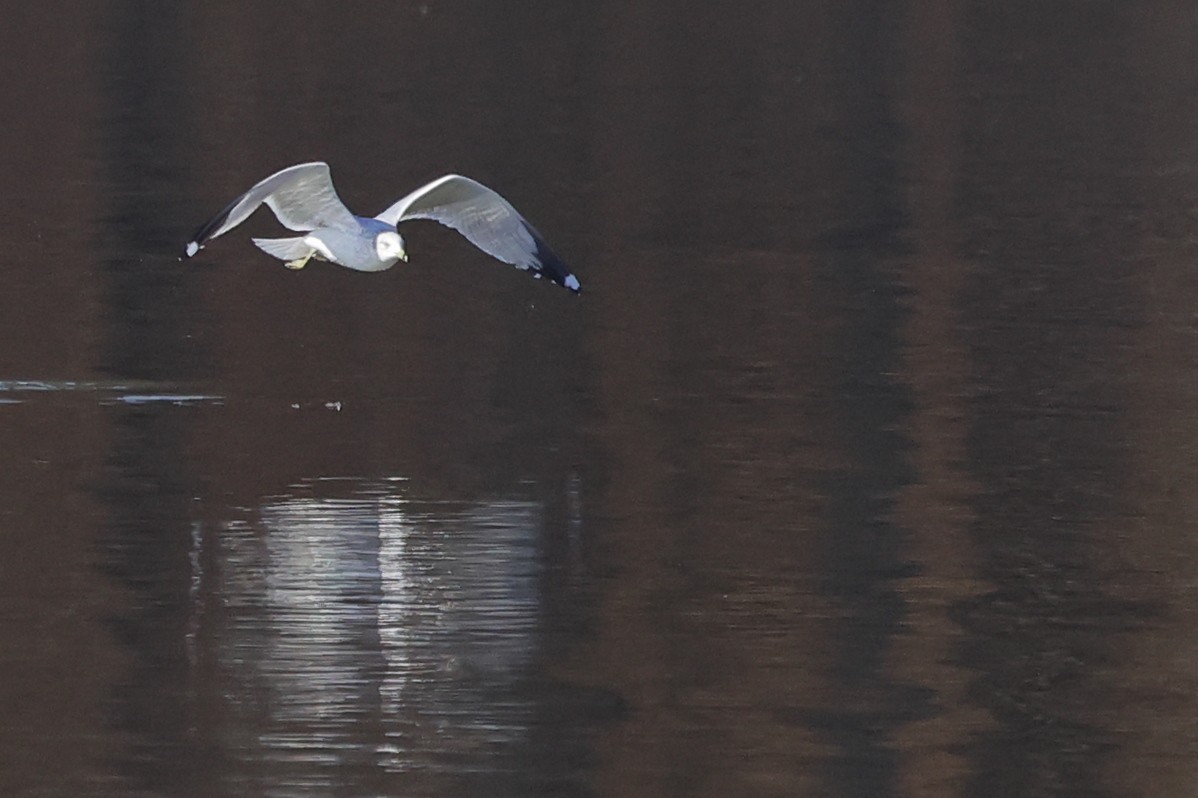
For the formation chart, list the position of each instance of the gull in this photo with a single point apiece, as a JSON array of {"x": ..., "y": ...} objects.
[{"x": 304, "y": 200}]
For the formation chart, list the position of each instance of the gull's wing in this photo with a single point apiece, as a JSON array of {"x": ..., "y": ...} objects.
[
  {"x": 487, "y": 220},
  {"x": 302, "y": 197}
]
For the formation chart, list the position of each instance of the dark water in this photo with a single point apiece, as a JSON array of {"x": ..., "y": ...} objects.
[{"x": 865, "y": 465}]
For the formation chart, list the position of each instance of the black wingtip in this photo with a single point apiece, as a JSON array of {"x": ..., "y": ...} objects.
[
  {"x": 551, "y": 266},
  {"x": 210, "y": 227}
]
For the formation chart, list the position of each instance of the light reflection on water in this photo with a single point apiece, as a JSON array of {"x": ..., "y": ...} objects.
[
  {"x": 375, "y": 627},
  {"x": 106, "y": 393}
]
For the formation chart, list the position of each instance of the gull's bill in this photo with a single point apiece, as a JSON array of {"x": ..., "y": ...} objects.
[{"x": 304, "y": 200}]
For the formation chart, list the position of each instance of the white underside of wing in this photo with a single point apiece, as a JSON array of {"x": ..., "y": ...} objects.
[
  {"x": 486, "y": 219},
  {"x": 302, "y": 198},
  {"x": 308, "y": 201}
]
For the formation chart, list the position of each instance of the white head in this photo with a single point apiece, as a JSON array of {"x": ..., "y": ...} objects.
[{"x": 389, "y": 246}]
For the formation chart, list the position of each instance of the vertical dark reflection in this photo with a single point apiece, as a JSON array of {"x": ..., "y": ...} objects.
[
  {"x": 145, "y": 487},
  {"x": 143, "y": 165},
  {"x": 538, "y": 143},
  {"x": 865, "y": 555},
  {"x": 544, "y": 156},
  {"x": 1053, "y": 301}
]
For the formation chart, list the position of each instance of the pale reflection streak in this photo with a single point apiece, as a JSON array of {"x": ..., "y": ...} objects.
[{"x": 376, "y": 628}]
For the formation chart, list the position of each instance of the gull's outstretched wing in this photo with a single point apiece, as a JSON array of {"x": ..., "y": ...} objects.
[
  {"x": 302, "y": 197},
  {"x": 487, "y": 220}
]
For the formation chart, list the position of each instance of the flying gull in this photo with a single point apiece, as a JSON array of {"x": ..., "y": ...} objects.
[{"x": 304, "y": 200}]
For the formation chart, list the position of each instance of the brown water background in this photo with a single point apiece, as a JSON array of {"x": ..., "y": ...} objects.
[{"x": 865, "y": 465}]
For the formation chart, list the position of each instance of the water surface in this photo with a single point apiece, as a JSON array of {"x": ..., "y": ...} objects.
[{"x": 862, "y": 467}]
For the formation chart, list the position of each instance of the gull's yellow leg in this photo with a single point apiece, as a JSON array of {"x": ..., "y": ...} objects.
[{"x": 296, "y": 265}]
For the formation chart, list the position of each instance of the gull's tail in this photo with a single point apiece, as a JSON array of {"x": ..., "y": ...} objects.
[{"x": 284, "y": 248}]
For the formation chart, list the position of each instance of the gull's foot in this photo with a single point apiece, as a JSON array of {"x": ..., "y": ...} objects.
[{"x": 296, "y": 265}]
